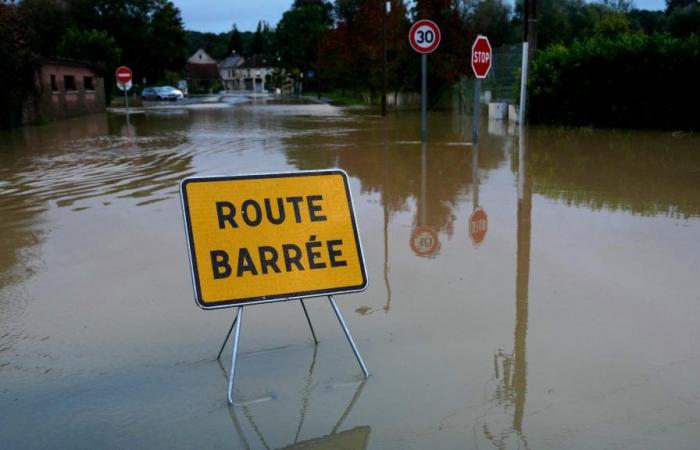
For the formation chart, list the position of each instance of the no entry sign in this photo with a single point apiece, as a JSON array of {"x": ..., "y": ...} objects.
[
  {"x": 261, "y": 238},
  {"x": 123, "y": 75},
  {"x": 424, "y": 36},
  {"x": 478, "y": 226},
  {"x": 481, "y": 57}
]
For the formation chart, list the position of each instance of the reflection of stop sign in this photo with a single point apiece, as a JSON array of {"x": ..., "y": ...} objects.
[
  {"x": 123, "y": 75},
  {"x": 424, "y": 241},
  {"x": 424, "y": 36},
  {"x": 478, "y": 225},
  {"x": 481, "y": 57}
]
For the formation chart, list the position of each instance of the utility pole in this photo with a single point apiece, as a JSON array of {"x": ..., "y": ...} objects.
[
  {"x": 385, "y": 11},
  {"x": 529, "y": 46}
]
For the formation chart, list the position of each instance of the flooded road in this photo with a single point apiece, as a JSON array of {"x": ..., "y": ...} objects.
[{"x": 567, "y": 315}]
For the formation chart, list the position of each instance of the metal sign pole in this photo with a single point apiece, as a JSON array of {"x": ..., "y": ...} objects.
[
  {"x": 234, "y": 353},
  {"x": 475, "y": 176},
  {"x": 126, "y": 102},
  {"x": 228, "y": 334},
  {"x": 423, "y": 184},
  {"x": 424, "y": 99},
  {"x": 348, "y": 336},
  {"x": 523, "y": 84},
  {"x": 477, "y": 111}
]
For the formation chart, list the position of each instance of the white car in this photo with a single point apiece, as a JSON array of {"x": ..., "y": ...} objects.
[{"x": 178, "y": 93}]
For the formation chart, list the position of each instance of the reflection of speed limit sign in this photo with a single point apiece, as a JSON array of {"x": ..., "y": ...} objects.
[
  {"x": 424, "y": 241},
  {"x": 424, "y": 36}
]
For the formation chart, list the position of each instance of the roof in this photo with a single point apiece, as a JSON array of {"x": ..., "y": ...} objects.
[
  {"x": 201, "y": 57},
  {"x": 203, "y": 71},
  {"x": 72, "y": 63},
  {"x": 231, "y": 62}
]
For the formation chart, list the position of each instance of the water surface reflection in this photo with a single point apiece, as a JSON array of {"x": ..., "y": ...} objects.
[{"x": 594, "y": 233}]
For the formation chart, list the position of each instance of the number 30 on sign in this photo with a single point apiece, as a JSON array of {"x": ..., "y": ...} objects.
[{"x": 424, "y": 36}]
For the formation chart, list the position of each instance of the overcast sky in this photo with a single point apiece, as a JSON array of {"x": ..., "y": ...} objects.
[{"x": 219, "y": 15}]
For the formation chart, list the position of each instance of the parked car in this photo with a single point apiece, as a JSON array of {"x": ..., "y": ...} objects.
[
  {"x": 161, "y": 93},
  {"x": 176, "y": 91}
]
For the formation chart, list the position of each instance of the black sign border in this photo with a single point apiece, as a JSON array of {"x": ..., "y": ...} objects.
[{"x": 274, "y": 298}]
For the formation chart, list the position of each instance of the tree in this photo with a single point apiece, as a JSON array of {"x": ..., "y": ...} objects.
[
  {"x": 492, "y": 18},
  {"x": 17, "y": 65},
  {"x": 235, "y": 43},
  {"x": 300, "y": 31},
  {"x": 166, "y": 43},
  {"x": 684, "y": 20},
  {"x": 48, "y": 23},
  {"x": 258, "y": 46},
  {"x": 90, "y": 45},
  {"x": 673, "y": 4}
]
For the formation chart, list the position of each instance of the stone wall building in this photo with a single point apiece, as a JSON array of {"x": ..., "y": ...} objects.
[{"x": 64, "y": 88}]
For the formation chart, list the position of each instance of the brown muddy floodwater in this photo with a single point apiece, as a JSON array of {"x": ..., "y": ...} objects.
[{"x": 574, "y": 324}]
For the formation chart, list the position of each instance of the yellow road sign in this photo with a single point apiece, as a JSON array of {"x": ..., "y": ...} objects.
[{"x": 261, "y": 238}]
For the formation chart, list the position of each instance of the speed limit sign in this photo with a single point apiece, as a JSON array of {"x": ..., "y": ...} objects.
[{"x": 424, "y": 36}]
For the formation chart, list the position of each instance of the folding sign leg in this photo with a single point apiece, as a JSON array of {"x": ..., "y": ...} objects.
[
  {"x": 221, "y": 350},
  {"x": 308, "y": 319},
  {"x": 347, "y": 335},
  {"x": 234, "y": 353}
]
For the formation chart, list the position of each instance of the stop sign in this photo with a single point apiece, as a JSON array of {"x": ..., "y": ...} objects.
[
  {"x": 478, "y": 225},
  {"x": 481, "y": 57},
  {"x": 123, "y": 75}
]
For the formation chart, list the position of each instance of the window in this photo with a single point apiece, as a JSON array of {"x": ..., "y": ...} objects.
[
  {"x": 88, "y": 83},
  {"x": 69, "y": 83},
  {"x": 54, "y": 86}
]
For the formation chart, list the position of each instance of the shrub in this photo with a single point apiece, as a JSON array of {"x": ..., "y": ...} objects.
[{"x": 629, "y": 80}]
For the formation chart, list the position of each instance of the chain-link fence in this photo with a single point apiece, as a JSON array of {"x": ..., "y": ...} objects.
[{"x": 501, "y": 84}]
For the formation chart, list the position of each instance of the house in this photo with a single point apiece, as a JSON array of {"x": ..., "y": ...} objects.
[
  {"x": 227, "y": 70},
  {"x": 250, "y": 75},
  {"x": 65, "y": 88},
  {"x": 202, "y": 70}
]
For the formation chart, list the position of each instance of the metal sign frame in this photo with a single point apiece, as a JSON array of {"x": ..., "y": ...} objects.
[
  {"x": 276, "y": 297},
  {"x": 235, "y": 329}
]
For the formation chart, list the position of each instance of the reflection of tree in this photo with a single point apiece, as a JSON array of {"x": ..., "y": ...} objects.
[
  {"x": 387, "y": 165},
  {"x": 641, "y": 172}
]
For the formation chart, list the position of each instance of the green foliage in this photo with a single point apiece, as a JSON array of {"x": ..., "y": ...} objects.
[
  {"x": 89, "y": 45},
  {"x": 47, "y": 22},
  {"x": 611, "y": 25},
  {"x": 674, "y": 4},
  {"x": 300, "y": 31},
  {"x": 631, "y": 80},
  {"x": 235, "y": 42},
  {"x": 17, "y": 64},
  {"x": 647, "y": 22},
  {"x": 167, "y": 43},
  {"x": 216, "y": 44},
  {"x": 685, "y": 20}
]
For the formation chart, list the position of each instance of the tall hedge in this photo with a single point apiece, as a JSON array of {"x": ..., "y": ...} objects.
[{"x": 631, "y": 80}]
